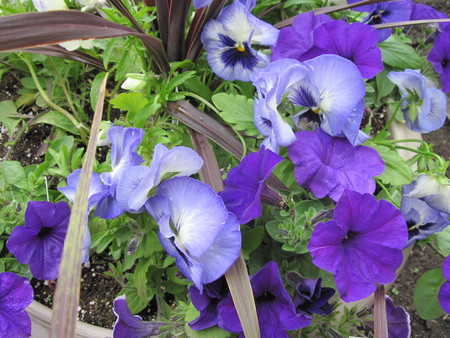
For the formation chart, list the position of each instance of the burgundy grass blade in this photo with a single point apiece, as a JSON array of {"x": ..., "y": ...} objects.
[
  {"x": 63, "y": 53},
  {"x": 46, "y": 28},
  {"x": 122, "y": 9}
]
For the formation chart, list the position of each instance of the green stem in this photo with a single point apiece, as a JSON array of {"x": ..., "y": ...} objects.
[
  {"x": 388, "y": 124},
  {"x": 382, "y": 186},
  {"x": 437, "y": 157},
  {"x": 78, "y": 125}
]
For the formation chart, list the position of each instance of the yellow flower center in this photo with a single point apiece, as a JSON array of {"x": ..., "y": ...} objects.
[{"x": 240, "y": 48}]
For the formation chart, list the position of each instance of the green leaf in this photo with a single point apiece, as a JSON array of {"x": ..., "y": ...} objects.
[
  {"x": 426, "y": 294},
  {"x": 9, "y": 116},
  {"x": 132, "y": 102},
  {"x": 212, "y": 332},
  {"x": 384, "y": 85},
  {"x": 237, "y": 110},
  {"x": 57, "y": 119},
  {"x": 396, "y": 171},
  {"x": 195, "y": 86},
  {"x": 251, "y": 239},
  {"x": 139, "y": 118},
  {"x": 443, "y": 241},
  {"x": 398, "y": 54},
  {"x": 179, "y": 80},
  {"x": 12, "y": 172}
]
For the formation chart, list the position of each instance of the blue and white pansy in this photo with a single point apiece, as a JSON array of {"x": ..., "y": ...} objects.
[{"x": 228, "y": 41}]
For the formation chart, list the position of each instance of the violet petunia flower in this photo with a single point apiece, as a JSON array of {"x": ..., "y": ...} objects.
[
  {"x": 423, "y": 108},
  {"x": 206, "y": 303},
  {"x": 228, "y": 39},
  {"x": 424, "y": 12},
  {"x": 195, "y": 228},
  {"x": 16, "y": 294},
  {"x": 421, "y": 219},
  {"x": 40, "y": 242},
  {"x": 246, "y": 185},
  {"x": 440, "y": 58},
  {"x": 435, "y": 191},
  {"x": 361, "y": 246},
  {"x": 97, "y": 191},
  {"x": 309, "y": 295},
  {"x": 444, "y": 291},
  {"x": 398, "y": 320},
  {"x": 128, "y": 325},
  {"x": 123, "y": 156},
  {"x": 134, "y": 187},
  {"x": 274, "y": 307},
  {"x": 328, "y": 165},
  {"x": 385, "y": 12}
]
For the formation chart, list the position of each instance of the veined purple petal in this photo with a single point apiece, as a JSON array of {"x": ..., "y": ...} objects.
[
  {"x": 444, "y": 291},
  {"x": 361, "y": 245},
  {"x": 40, "y": 242},
  {"x": 440, "y": 58},
  {"x": 128, "y": 325},
  {"x": 398, "y": 320},
  {"x": 16, "y": 294}
]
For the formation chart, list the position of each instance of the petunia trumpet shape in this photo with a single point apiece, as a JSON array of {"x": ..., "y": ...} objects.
[
  {"x": 361, "y": 246},
  {"x": 228, "y": 39},
  {"x": 440, "y": 58},
  {"x": 328, "y": 165},
  {"x": 276, "y": 312},
  {"x": 40, "y": 242},
  {"x": 424, "y": 108},
  {"x": 444, "y": 291},
  {"x": 246, "y": 185},
  {"x": 16, "y": 294},
  {"x": 421, "y": 219},
  {"x": 97, "y": 191},
  {"x": 128, "y": 325},
  {"x": 123, "y": 156},
  {"x": 195, "y": 228},
  {"x": 134, "y": 187}
]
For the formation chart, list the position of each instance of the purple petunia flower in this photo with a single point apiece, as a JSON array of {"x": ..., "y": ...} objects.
[
  {"x": 309, "y": 295},
  {"x": 206, "y": 303},
  {"x": 421, "y": 219},
  {"x": 440, "y": 58},
  {"x": 40, "y": 242},
  {"x": 423, "y": 108},
  {"x": 128, "y": 325},
  {"x": 227, "y": 42},
  {"x": 97, "y": 191},
  {"x": 444, "y": 291},
  {"x": 123, "y": 156},
  {"x": 16, "y": 294},
  {"x": 424, "y": 12},
  {"x": 246, "y": 185},
  {"x": 195, "y": 228},
  {"x": 276, "y": 312},
  {"x": 134, "y": 187},
  {"x": 432, "y": 191},
  {"x": 361, "y": 245},
  {"x": 328, "y": 166},
  {"x": 399, "y": 324},
  {"x": 385, "y": 12}
]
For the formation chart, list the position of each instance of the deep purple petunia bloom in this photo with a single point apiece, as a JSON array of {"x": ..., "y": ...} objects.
[
  {"x": 123, "y": 156},
  {"x": 423, "y": 12},
  {"x": 130, "y": 326},
  {"x": 97, "y": 191},
  {"x": 423, "y": 108},
  {"x": 399, "y": 324},
  {"x": 385, "y": 12},
  {"x": 421, "y": 219},
  {"x": 440, "y": 58},
  {"x": 16, "y": 294},
  {"x": 196, "y": 228},
  {"x": 40, "y": 242},
  {"x": 246, "y": 185},
  {"x": 207, "y": 303},
  {"x": 275, "y": 310},
  {"x": 328, "y": 165},
  {"x": 444, "y": 291},
  {"x": 227, "y": 42},
  {"x": 361, "y": 245},
  {"x": 295, "y": 40},
  {"x": 134, "y": 187},
  {"x": 309, "y": 295}
]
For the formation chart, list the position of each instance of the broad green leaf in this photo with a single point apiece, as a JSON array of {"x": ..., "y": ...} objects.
[
  {"x": 443, "y": 241},
  {"x": 179, "y": 80},
  {"x": 237, "y": 110},
  {"x": 384, "y": 85},
  {"x": 12, "y": 172},
  {"x": 396, "y": 171},
  {"x": 426, "y": 294},
  {"x": 398, "y": 54},
  {"x": 251, "y": 239},
  {"x": 9, "y": 116},
  {"x": 57, "y": 119},
  {"x": 139, "y": 118},
  {"x": 134, "y": 101},
  {"x": 140, "y": 279},
  {"x": 212, "y": 332},
  {"x": 195, "y": 86}
]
